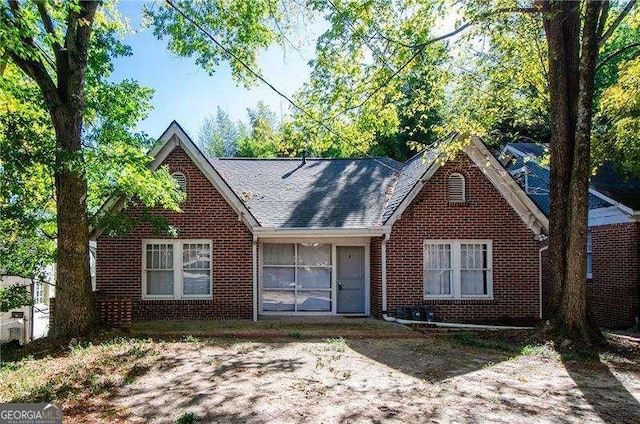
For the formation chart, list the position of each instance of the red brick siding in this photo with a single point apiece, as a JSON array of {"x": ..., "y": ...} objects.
[
  {"x": 375, "y": 277},
  {"x": 206, "y": 215},
  {"x": 486, "y": 215},
  {"x": 614, "y": 290},
  {"x": 112, "y": 311}
]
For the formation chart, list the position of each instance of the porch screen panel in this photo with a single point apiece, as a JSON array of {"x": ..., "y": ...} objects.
[
  {"x": 437, "y": 269},
  {"x": 278, "y": 300},
  {"x": 279, "y": 254},
  {"x": 296, "y": 277},
  {"x": 473, "y": 269},
  {"x": 275, "y": 277},
  {"x": 159, "y": 269},
  {"x": 313, "y": 301},
  {"x": 314, "y": 278}
]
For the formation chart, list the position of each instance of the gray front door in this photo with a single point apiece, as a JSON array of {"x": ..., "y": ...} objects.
[{"x": 350, "y": 279}]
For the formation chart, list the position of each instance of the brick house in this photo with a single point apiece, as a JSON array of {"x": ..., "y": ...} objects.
[
  {"x": 613, "y": 245},
  {"x": 330, "y": 236}
]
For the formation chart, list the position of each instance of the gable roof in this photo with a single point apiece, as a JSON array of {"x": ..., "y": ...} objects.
[
  {"x": 314, "y": 193},
  {"x": 426, "y": 164},
  {"x": 607, "y": 188},
  {"x": 331, "y": 195},
  {"x": 174, "y": 136}
]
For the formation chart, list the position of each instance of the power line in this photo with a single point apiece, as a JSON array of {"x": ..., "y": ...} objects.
[{"x": 267, "y": 83}]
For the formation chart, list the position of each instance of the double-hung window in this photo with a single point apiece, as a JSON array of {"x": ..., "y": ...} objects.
[
  {"x": 179, "y": 269},
  {"x": 456, "y": 269}
]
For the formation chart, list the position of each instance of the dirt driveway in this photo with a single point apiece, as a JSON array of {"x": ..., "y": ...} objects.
[{"x": 432, "y": 379}]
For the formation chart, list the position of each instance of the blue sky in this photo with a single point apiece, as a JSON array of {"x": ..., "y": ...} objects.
[{"x": 184, "y": 92}]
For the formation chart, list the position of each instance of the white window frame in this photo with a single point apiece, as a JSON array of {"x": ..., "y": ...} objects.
[
  {"x": 39, "y": 293},
  {"x": 296, "y": 269},
  {"x": 456, "y": 268},
  {"x": 178, "y": 269},
  {"x": 334, "y": 242}
]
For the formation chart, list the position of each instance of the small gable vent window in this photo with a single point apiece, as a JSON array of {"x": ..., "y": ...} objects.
[
  {"x": 181, "y": 180},
  {"x": 456, "y": 188}
]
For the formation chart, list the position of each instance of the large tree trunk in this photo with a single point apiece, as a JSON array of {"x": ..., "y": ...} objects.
[
  {"x": 574, "y": 318},
  {"x": 75, "y": 312},
  {"x": 571, "y": 82},
  {"x": 562, "y": 27}
]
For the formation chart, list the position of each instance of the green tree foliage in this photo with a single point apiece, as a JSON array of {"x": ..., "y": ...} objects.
[
  {"x": 219, "y": 136},
  {"x": 376, "y": 79},
  {"x": 14, "y": 296},
  {"x": 263, "y": 140},
  {"x": 27, "y": 218},
  {"x": 67, "y": 128}
]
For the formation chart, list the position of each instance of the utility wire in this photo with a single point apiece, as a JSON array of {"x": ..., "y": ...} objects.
[{"x": 268, "y": 84}]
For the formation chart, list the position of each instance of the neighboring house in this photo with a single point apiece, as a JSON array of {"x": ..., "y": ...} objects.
[
  {"x": 613, "y": 244},
  {"x": 28, "y": 322},
  {"x": 330, "y": 236}
]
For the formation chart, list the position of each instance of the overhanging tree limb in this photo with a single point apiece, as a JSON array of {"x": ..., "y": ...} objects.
[
  {"x": 616, "y": 22},
  {"x": 617, "y": 52}
]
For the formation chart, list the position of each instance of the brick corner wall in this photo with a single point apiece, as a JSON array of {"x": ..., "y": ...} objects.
[
  {"x": 205, "y": 215},
  {"x": 485, "y": 216}
]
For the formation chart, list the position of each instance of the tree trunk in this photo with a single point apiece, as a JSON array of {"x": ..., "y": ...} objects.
[
  {"x": 562, "y": 30},
  {"x": 571, "y": 81},
  {"x": 574, "y": 318},
  {"x": 75, "y": 311}
]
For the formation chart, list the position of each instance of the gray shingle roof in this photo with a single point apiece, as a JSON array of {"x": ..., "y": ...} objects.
[
  {"x": 409, "y": 176},
  {"x": 322, "y": 193},
  {"x": 536, "y": 184}
]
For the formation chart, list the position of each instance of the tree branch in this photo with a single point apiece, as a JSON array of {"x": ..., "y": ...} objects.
[
  {"x": 48, "y": 23},
  {"x": 480, "y": 18},
  {"x": 604, "y": 15},
  {"x": 420, "y": 47},
  {"x": 25, "y": 59},
  {"x": 617, "y": 52},
  {"x": 616, "y": 22}
]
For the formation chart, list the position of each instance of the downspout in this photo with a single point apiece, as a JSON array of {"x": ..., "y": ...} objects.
[
  {"x": 540, "y": 274},
  {"x": 254, "y": 254}
]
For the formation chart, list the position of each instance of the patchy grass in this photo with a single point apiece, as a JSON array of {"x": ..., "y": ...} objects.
[{"x": 84, "y": 370}]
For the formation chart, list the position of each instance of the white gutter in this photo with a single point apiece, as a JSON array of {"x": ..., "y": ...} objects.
[
  {"x": 254, "y": 254},
  {"x": 321, "y": 232},
  {"x": 540, "y": 274}
]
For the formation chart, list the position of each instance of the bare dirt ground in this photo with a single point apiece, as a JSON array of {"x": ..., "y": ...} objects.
[
  {"x": 430, "y": 378},
  {"x": 406, "y": 380}
]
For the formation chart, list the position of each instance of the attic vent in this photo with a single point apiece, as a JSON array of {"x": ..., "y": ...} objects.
[
  {"x": 455, "y": 188},
  {"x": 181, "y": 180}
]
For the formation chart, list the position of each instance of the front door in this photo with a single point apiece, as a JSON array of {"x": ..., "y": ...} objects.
[{"x": 350, "y": 279}]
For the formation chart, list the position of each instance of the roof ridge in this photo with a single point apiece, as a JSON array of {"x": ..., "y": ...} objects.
[{"x": 235, "y": 158}]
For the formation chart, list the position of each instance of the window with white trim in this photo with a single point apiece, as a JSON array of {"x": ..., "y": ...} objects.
[
  {"x": 457, "y": 269},
  {"x": 179, "y": 269},
  {"x": 39, "y": 293},
  {"x": 456, "y": 188},
  {"x": 296, "y": 277},
  {"x": 589, "y": 254}
]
